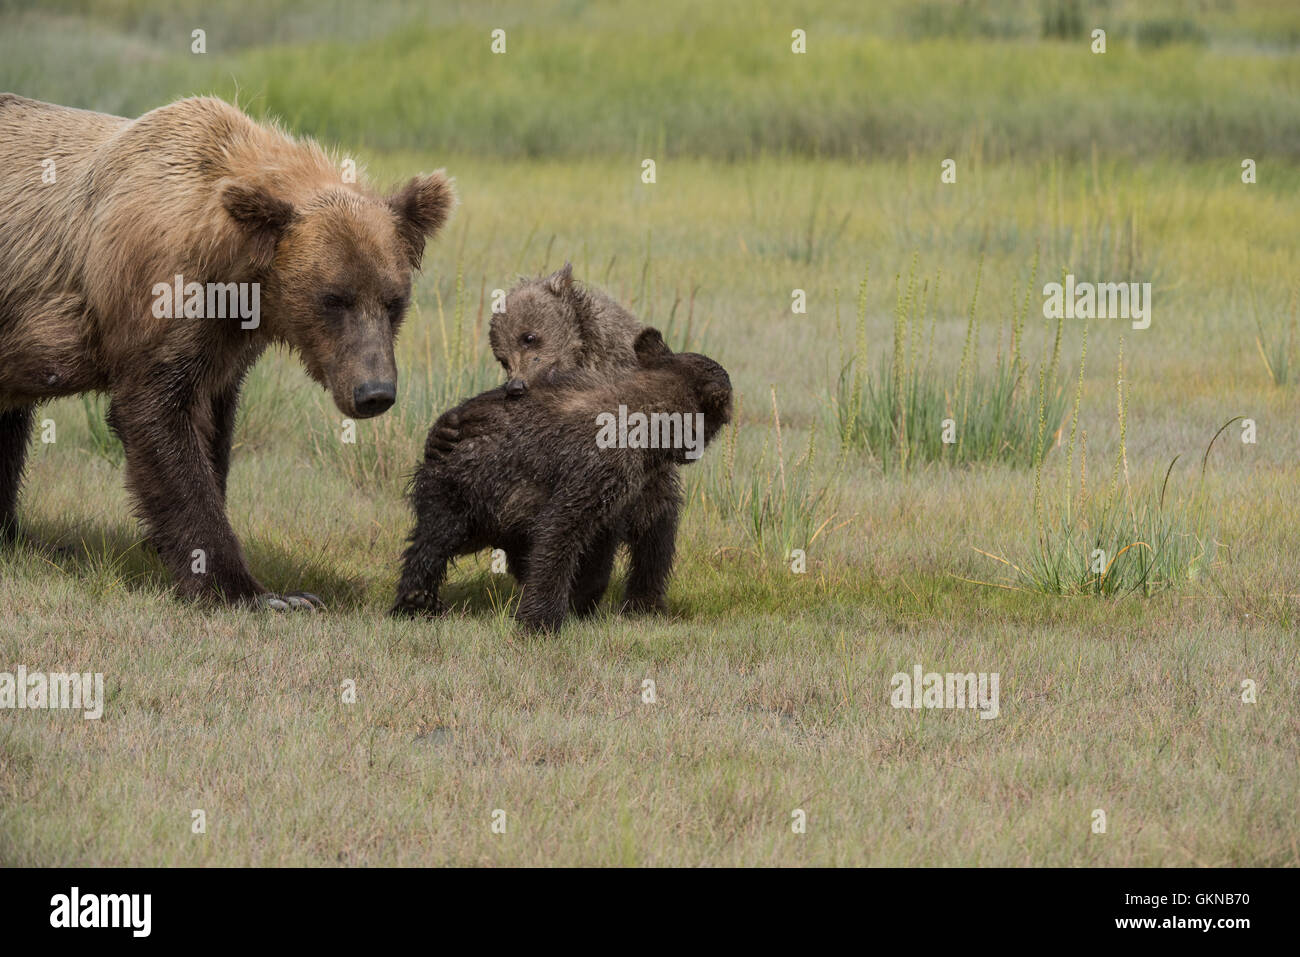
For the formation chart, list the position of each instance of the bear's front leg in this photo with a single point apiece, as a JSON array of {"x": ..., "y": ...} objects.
[
  {"x": 15, "y": 433},
  {"x": 224, "y": 407},
  {"x": 169, "y": 472}
]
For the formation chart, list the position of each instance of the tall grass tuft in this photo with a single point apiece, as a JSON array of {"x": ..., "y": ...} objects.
[
  {"x": 676, "y": 320},
  {"x": 910, "y": 413},
  {"x": 1276, "y": 344},
  {"x": 782, "y": 502},
  {"x": 1127, "y": 540}
]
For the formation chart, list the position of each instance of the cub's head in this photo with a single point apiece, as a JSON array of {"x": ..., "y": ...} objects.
[
  {"x": 708, "y": 382},
  {"x": 337, "y": 271},
  {"x": 544, "y": 330}
]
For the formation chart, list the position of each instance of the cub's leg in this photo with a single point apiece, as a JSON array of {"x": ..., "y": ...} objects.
[
  {"x": 562, "y": 535},
  {"x": 440, "y": 531},
  {"x": 652, "y": 543},
  {"x": 517, "y": 564},
  {"x": 15, "y": 432},
  {"x": 594, "y": 570}
]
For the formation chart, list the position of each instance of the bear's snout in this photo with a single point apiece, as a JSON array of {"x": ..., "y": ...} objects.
[
  {"x": 516, "y": 388},
  {"x": 374, "y": 398}
]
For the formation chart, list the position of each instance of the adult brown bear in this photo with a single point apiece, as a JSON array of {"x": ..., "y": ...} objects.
[{"x": 131, "y": 252}]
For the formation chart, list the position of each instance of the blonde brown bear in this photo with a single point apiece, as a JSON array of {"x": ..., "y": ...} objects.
[{"x": 154, "y": 260}]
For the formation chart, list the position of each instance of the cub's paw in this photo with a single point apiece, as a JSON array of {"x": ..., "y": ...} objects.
[
  {"x": 444, "y": 436},
  {"x": 457, "y": 426},
  {"x": 540, "y": 626},
  {"x": 645, "y": 606},
  {"x": 417, "y": 604},
  {"x": 293, "y": 601}
]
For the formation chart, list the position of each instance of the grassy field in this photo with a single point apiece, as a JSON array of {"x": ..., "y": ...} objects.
[{"x": 772, "y": 687}]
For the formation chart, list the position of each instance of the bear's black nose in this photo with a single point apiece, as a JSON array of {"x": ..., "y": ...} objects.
[
  {"x": 374, "y": 398},
  {"x": 516, "y": 387}
]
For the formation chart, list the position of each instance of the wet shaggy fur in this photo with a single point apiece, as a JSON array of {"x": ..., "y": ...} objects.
[
  {"x": 199, "y": 190},
  {"x": 553, "y": 324},
  {"x": 537, "y": 485}
]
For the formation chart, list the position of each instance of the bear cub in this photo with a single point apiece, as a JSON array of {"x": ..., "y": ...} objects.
[
  {"x": 554, "y": 324},
  {"x": 558, "y": 480},
  {"x": 551, "y": 325}
]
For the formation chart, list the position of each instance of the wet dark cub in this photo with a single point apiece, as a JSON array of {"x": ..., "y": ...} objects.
[{"x": 537, "y": 483}]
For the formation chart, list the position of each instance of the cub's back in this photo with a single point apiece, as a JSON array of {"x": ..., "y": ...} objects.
[{"x": 543, "y": 441}]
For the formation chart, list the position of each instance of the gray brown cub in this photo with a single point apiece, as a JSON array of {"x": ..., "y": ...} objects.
[
  {"x": 551, "y": 325},
  {"x": 555, "y": 324},
  {"x": 537, "y": 484}
]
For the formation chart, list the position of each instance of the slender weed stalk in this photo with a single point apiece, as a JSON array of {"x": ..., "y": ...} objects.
[{"x": 1276, "y": 345}]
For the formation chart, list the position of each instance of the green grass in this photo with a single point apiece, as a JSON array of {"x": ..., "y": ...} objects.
[
  {"x": 772, "y": 685},
  {"x": 721, "y": 81},
  {"x": 102, "y": 440}
]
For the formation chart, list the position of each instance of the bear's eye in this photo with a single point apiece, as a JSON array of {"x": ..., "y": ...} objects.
[
  {"x": 336, "y": 301},
  {"x": 396, "y": 307},
  {"x": 528, "y": 338}
]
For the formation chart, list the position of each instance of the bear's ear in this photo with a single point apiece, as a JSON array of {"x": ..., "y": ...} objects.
[
  {"x": 560, "y": 282},
  {"x": 650, "y": 345},
  {"x": 263, "y": 218},
  {"x": 422, "y": 207}
]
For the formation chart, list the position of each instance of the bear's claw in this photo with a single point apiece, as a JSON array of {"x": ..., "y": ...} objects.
[
  {"x": 293, "y": 601},
  {"x": 304, "y": 600}
]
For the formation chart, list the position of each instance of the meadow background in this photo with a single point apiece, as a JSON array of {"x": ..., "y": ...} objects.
[{"x": 1120, "y": 690}]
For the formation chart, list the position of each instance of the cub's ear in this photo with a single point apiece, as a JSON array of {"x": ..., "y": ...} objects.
[
  {"x": 561, "y": 281},
  {"x": 422, "y": 207},
  {"x": 650, "y": 345},
  {"x": 261, "y": 216},
  {"x": 715, "y": 400}
]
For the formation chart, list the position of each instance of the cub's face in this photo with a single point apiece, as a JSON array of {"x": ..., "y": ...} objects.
[
  {"x": 340, "y": 280},
  {"x": 537, "y": 335}
]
